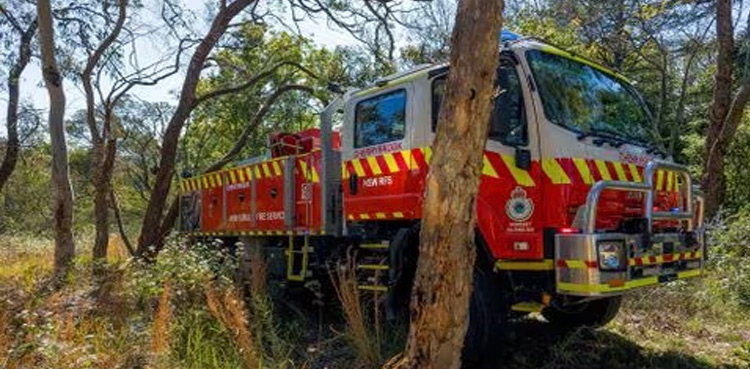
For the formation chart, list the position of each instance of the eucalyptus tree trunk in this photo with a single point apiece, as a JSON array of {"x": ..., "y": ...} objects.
[
  {"x": 104, "y": 142},
  {"x": 443, "y": 283},
  {"x": 63, "y": 206},
  {"x": 726, "y": 110},
  {"x": 151, "y": 235},
  {"x": 12, "y": 146}
]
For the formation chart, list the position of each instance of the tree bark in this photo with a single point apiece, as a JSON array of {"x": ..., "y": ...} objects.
[
  {"x": 713, "y": 171},
  {"x": 63, "y": 206},
  {"x": 102, "y": 186},
  {"x": 443, "y": 283},
  {"x": 104, "y": 145},
  {"x": 12, "y": 146},
  {"x": 150, "y": 228}
]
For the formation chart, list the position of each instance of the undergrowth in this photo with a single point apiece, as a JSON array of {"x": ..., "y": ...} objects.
[{"x": 185, "y": 311}]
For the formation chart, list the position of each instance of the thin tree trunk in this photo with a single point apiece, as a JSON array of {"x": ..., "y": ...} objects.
[
  {"x": 14, "y": 76},
  {"x": 102, "y": 186},
  {"x": 63, "y": 207},
  {"x": 118, "y": 219},
  {"x": 151, "y": 226},
  {"x": 443, "y": 283},
  {"x": 674, "y": 133},
  {"x": 713, "y": 170},
  {"x": 104, "y": 147}
]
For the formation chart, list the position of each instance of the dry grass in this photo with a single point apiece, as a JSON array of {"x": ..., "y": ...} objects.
[
  {"x": 116, "y": 250},
  {"x": 229, "y": 309},
  {"x": 160, "y": 326},
  {"x": 345, "y": 284},
  {"x": 5, "y": 339}
]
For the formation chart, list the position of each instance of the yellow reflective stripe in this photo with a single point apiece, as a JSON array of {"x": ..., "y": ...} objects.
[
  {"x": 211, "y": 181},
  {"x": 257, "y": 172},
  {"x": 409, "y": 160},
  {"x": 555, "y": 172},
  {"x": 642, "y": 282},
  {"x": 575, "y": 264},
  {"x": 364, "y": 216},
  {"x": 488, "y": 169},
  {"x": 249, "y": 173},
  {"x": 344, "y": 172},
  {"x": 358, "y": 168},
  {"x": 266, "y": 170},
  {"x": 547, "y": 264},
  {"x": 315, "y": 178},
  {"x": 659, "y": 180},
  {"x": 689, "y": 273},
  {"x": 276, "y": 168},
  {"x": 391, "y": 162},
  {"x": 241, "y": 175},
  {"x": 303, "y": 166},
  {"x": 219, "y": 179},
  {"x": 670, "y": 180},
  {"x": 380, "y": 215},
  {"x": 427, "y": 151},
  {"x": 583, "y": 170},
  {"x": 620, "y": 171},
  {"x": 232, "y": 177},
  {"x": 374, "y": 166},
  {"x": 521, "y": 176},
  {"x": 398, "y": 214},
  {"x": 634, "y": 173},
  {"x": 205, "y": 182},
  {"x": 603, "y": 170}
]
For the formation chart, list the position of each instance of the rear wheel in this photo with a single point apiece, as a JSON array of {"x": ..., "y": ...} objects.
[{"x": 596, "y": 313}]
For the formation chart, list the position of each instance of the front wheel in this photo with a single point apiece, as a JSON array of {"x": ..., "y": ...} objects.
[{"x": 596, "y": 313}]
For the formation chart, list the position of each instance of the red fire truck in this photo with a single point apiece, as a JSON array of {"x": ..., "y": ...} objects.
[{"x": 575, "y": 208}]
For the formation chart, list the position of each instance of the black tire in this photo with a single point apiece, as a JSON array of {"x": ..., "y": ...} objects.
[
  {"x": 486, "y": 316},
  {"x": 596, "y": 313}
]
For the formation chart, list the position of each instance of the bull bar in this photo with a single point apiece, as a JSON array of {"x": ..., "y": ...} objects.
[{"x": 595, "y": 264}]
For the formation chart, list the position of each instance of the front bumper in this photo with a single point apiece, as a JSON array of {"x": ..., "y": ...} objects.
[{"x": 646, "y": 261}]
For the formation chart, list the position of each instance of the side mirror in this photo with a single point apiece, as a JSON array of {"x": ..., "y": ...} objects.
[
  {"x": 523, "y": 158},
  {"x": 353, "y": 184}
]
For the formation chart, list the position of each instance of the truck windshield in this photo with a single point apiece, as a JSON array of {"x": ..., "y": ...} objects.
[{"x": 586, "y": 100}]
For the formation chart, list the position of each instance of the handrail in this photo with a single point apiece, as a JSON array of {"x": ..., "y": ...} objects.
[
  {"x": 648, "y": 187},
  {"x": 687, "y": 187}
]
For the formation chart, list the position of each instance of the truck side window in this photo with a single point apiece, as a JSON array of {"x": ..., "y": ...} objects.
[
  {"x": 508, "y": 124},
  {"x": 380, "y": 119}
]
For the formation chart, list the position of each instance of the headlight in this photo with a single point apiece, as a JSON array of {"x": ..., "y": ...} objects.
[{"x": 612, "y": 255}]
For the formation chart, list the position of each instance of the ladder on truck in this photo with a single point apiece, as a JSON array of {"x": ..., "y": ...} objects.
[
  {"x": 373, "y": 270},
  {"x": 298, "y": 258}
]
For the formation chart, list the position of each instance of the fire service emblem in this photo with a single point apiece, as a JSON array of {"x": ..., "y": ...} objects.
[{"x": 519, "y": 207}]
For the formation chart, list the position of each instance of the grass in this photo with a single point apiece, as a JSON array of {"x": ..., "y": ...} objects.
[{"x": 180, "y": 314}]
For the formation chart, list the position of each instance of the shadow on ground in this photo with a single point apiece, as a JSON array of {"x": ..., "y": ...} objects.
[{"x": 532, "y": 344}]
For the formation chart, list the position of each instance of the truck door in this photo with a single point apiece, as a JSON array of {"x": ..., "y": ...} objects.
[
  {"x": 376, "y": 156},
  {"x": 509, "y": 201}
]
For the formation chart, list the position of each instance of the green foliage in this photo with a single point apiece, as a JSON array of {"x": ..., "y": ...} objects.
[
  {"x": 200, "y": 341},
  {"x": 729, "y": 250}
]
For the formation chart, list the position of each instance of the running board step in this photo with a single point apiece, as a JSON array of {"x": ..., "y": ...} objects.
[
  {"x": 376, "y": 246},
  {"x": 373, "y": 288},
  {"x": 528, "y": 307},
  {"x": 372, "y": 267}
]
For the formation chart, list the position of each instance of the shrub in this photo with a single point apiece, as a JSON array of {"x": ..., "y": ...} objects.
[{"x": 728, "y": 251}]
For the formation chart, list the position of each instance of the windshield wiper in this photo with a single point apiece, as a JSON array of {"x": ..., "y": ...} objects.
[{"x": 604, "y": 136}]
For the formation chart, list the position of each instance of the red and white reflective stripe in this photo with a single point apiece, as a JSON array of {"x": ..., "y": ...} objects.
[
  {"x": 577, "y": 264},
  {"x": 666, "y": 258}
]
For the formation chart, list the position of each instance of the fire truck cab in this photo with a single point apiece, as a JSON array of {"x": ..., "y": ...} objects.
[{"x": 575, "y": 206}]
